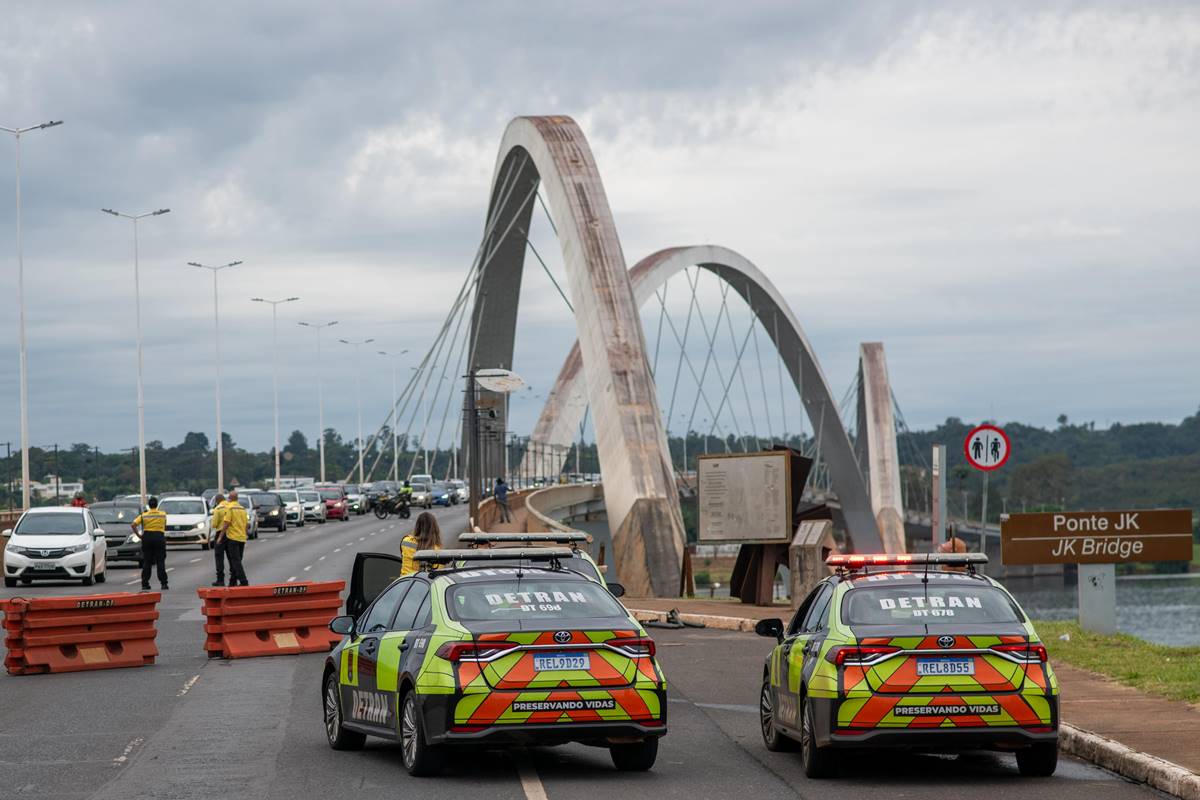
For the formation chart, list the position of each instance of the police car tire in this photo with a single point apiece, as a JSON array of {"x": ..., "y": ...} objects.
[
  {"x": 338, "y": 737},
  {"x": 637, "y": 757},
  {"x": 420, "y": 759},
  {"x": 775, "y": 741},
  {"x": 819, "y": 762},
  {"x": 1038, "y": 761}
]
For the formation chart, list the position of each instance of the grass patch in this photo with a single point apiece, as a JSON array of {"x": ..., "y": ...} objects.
[{"x": 1164, "y": 670}]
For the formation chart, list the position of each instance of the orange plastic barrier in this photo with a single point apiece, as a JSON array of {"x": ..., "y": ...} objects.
[
  {"x": 72, "y": 634},
  {"x": 270, "y": 620}
]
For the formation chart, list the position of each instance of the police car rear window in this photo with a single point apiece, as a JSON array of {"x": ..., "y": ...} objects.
[
  {"x": 532, "y": 598},
  {"x": 938, "y": 604}
]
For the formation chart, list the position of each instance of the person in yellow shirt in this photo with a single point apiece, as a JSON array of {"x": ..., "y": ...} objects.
[
  {"x": 426, "y": 535},
  {"x": 218, "y": 541},
  {"x": 232, "y": 538},
  {"x": 153, "y": 524}
]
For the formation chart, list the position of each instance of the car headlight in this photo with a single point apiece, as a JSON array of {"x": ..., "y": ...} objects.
[
  {"x": 133, "y": 539},
  {"x": 274, "y": 512},
  {"x": 12, "y": 546},
  {"x": 201, "y": 525},
  {"x": 76, "y": 548}
]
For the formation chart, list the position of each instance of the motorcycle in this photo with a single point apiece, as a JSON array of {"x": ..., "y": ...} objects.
[{"x": 387, "y": 504}]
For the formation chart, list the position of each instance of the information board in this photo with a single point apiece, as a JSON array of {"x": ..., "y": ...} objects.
[
  {"x": 1097, "y": 537},
  {"x": 745, "y": 498}
]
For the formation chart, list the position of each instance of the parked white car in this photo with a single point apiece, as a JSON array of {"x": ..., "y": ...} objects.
[
  {"x": 314, "y": 506},
  {"x": 187, "y": 520},
  {"x": 55, "y": 544},
  {"x": 292, "y": 506}
]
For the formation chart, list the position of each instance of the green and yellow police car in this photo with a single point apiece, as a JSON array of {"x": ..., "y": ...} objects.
[
  {"x": 490, "y": 646},
  {"x": 910, "y": 651}
]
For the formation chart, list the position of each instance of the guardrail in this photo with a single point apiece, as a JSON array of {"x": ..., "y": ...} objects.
[{"x": 544, "y": 507}]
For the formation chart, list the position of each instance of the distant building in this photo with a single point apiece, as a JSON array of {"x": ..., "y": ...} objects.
[{"x": 53, "y": 485}]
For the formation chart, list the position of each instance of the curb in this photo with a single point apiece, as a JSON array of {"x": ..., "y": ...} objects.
[
  {"x": 1141, "y": 767},
  {"x": 1104, "y": 752},
  {"x": 705, "y": 620}
]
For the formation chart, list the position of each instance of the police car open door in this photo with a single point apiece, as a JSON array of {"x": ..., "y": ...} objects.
[{"x": 373, "y": 572}]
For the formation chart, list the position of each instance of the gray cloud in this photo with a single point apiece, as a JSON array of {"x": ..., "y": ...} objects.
[{"x": 1001, "y": 195}]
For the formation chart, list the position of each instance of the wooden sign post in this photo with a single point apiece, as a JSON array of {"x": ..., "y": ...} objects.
[{"x": 1097, "y": 541}]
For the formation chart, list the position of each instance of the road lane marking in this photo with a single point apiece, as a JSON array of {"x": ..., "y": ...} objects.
[
  {"x": 337, "y": 549},
  {"x": 193, "y": 561},
  {"x": 289, "y": 580},
  {"x": 322, "y": 558},
  {"x": 129, "y": 748},
  {"x": 188, "y": 685},
  {"x": 170, "y": 569},
  {"x": 306, "y": 569},
  {"x": 132, "y": 582},
  {"x": 531, "y": 784}
]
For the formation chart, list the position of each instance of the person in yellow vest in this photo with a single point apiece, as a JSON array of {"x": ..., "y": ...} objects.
[
  {"x": 232, "y": 538},
  {"x": 426, "y": 535},
  {"x": 154, "y": 543},
  {"x": 218, "y": 541}
]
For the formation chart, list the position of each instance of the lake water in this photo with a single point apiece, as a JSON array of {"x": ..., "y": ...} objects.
[{"x": 1163, "y": 609}]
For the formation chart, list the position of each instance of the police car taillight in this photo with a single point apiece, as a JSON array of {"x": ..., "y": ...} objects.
[
  {"x": 854, "y": 656},
  {"x": 1026, "y": 651},
  {"x": 639, "y": 647},
  {"x": 474, "y": 651}
]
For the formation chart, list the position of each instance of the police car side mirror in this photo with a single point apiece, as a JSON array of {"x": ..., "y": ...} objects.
[
  {"x": 343, "y": 626},
  {"x": 616, "y": 589},
  {"x": 770, "y": 627}
]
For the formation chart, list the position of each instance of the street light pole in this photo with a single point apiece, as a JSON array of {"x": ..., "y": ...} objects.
[
  {"x": 137, "y": 292},
  {"x": 16, "y": 132},
  {"x": 275, "y": 367},
  {"x": 358, "y": 385},
  {"x": 320, "y": 392},
  {"x": 395, "y": 415},
  {"x": 220, "y": 442}
]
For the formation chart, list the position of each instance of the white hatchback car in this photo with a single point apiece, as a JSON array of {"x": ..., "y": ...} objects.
[
  {"x": 293, "y": 506},
  {"x": 314, "y": 506},
  {"x": 55, "y": 544},
  {"x": 187, "y": 520}
]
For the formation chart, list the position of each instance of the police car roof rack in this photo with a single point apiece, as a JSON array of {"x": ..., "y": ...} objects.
[
  {"x": 572, "y": 538},
  {"x": 550, "y": 555},
  {"x": 846, "y": 564}
]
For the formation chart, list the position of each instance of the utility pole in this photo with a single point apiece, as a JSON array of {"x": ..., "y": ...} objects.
[
  {"x": 938, "y": 512},
  {"x": 475, "y": 484},
  {"x": 358, "y": 384},
  {"x": 395, "y": 415},
  {"x": 219, "y": 445},
  {"x": 137, "y": 295},
  {"x": 275, "y": 367},
  {"x": 17, "y": 132},
  {"x": 320, "y": 393}
]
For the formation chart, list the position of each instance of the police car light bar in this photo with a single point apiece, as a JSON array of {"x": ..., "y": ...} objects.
[
  {"x": 494, "y": 554},
  {"x": 905, "y": 560},
  {"x": 507, "y": 538}
]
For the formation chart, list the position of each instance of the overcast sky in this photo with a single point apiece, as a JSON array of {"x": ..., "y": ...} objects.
[{"x": 1004, "y": 194}]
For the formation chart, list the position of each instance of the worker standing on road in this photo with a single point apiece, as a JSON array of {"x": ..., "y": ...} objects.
[
  {"x": 233, "y": 535},
  {"x": 154, "y": 543},
  {"x": 426, "y": 535},
  {"x": 502, "y": 500},
  {"x": 218, "y": 545}
]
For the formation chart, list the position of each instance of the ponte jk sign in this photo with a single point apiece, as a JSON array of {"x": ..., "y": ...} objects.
[{"x": 1097, "y": 537}]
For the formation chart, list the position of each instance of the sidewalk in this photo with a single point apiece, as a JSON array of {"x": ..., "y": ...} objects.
[{"x": 1165, "y": 729}]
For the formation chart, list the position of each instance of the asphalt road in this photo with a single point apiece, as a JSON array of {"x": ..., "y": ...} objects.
[{"x": 190, "y": 727}]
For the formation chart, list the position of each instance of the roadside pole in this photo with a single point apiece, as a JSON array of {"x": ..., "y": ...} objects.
[
  {"x": 938, "y": 510},
  {"x": 475, "y": 485},
  {"x": 1098, "y": 597}
]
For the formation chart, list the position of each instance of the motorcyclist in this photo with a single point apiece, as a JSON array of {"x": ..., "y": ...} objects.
[{"x": 406, "y": 491}]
